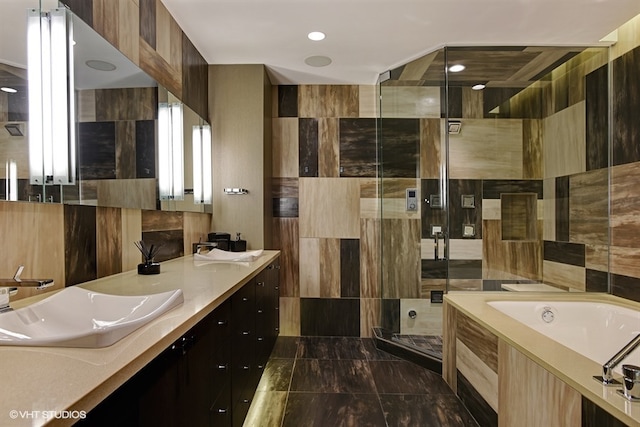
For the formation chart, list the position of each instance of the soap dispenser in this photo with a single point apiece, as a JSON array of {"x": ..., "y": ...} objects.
[{"x": 238, "y": 245}]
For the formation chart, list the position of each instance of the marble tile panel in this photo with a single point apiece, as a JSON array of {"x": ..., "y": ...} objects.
[
  {"x": 565, "y": 275},
  {"x": 328, "y": 147},
  {"x": 43, "y": 225},
  {"x": 267, "y": 408},
  {"x": 370, "y": 313},
  {"x": 454, "y": 102},
  {"x": 597, "y": 119},
  {"x": 308, "y": 147},
  {"x": 481, "y": 411},
  {"x": 285, "y": 207},
  {"x": 390, "y": 315},
  {"x": 126, "y": 104},
  {"x": 108, "y": 241},
  {"x": 401, "y": 258},
  {"x": 369, "y": 258},
  {"x": 285, "y": 159},
  {"x": 625, "y": 199},
  {"x": 332, "y": 376},
  {"x": 549, "y": 209},
  {"x": 491, "y": 209},
  {"x": 537, "y": 388},
  {"x": 96, "y": 150},
  {"x": 395, "y": 377},
  {"x": 328, "y": 101},
  {"x": 519, "y": 216},
  {"x": 127, "y": 193},
  {"x": 625, "y": 287},
  {"x": 428, "y": 320},
  {"x": 358, "y": 147},
  {"x": 432, "y": 269},
  {"x": 349, "y": 255},
  {"x": 425, "y": 410},
  {"x": 171, "y": 243},
  {"x": 329, "y": 207},
  {"x": 472, "y": 103},
  {"x": 129, "y": 29},
  {"x": 334, "y": 348},
  {"x": 410, "y": 102},
  {"x": 597, "y": 257},
  {"x": 431, "y": 148},
  {"x": 287, "y": 101},
  {"x": 86, "y": 105},
  {"x": 533, "y": 149},
  {"x": 625, "y": 261},
  {"x": 330, "y": 267},
  {"x": 465, "y": 269},
  {"x": 309, "y": 267},
  {"x": 509, "y": 259},
  {"x": 159, "y": 69},
  {"x": 465, "y": 285},
  {"x": 333, "y": 409},
  {"x": 131, "y": 232},
  {"x": 467, "y": 249},
  {"x": 368, "y": 95},
  {"x": 562, "y": 211},
  {"x": 370, "y": 187},
  {"x": 428, "y": 285},
  {"x": 478, "y": 340},
  {"x": 400, "y": 148},
  {"x": 565, "y": 253},
  {"x": 105, "y": 15},
  {"x": 449, "y": 341},
  {"x": 284, "y": 187},
  {"x": 80, "y": 243},
  {"x": 145, "y": 149},
  {"x": 564, "y": 142},
  {"x": 430, "y": 214},
  {"x": 286, "y": 239},
  {"x": 162, "y": 220},
  {"x": 596, "y": 281},
  {"x": 481, "y": 377},
  {"x": 338, "y": 317},
  {"x": 196, "y": 228},
  {"x": 370, "y": 209},
  {"x": 589, "y": 207},
  {"x": 148, "y": 21},
  {"x": 625, "y": 106},
  {"x": 493, "y": 189},
  {"x": 486, "y": 149},
  {"x": 290, "y": 316},
  {"x": 395, "y": 188}
]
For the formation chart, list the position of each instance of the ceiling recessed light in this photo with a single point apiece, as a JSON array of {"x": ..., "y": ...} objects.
[
  {"x": 316, "y": 36},
  {"x": 99, "y": 65},
  {"x": 8, "y": 89},
  {"x": 456, "y": 68},
  {"x": 318, "y": 61},
  {"x": 478, "y": 87}
]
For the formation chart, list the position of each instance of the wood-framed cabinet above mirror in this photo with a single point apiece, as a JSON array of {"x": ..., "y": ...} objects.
[{"x": 116, "y": 105}]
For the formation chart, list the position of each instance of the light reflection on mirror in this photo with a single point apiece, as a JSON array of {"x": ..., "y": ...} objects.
[{"x": 116, "y": 123}]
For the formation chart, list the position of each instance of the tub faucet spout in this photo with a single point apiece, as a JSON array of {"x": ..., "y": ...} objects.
[
  {"x": 10, "y": 286},
  {"x": 607, "y": 368}
]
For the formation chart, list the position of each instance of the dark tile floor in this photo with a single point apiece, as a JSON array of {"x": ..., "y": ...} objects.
[{"x": 316, "y": 381}]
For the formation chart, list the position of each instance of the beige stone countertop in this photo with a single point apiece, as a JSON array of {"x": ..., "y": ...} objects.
[
  {"x": 36, "y": 381},
  {"x": 571, "y": 367}
]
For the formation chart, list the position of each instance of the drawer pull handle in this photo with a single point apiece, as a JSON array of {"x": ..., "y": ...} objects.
[{"x": 222, "y": 410}]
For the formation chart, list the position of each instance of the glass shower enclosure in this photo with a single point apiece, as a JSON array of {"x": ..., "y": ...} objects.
[{"x": 478, "y": 149}]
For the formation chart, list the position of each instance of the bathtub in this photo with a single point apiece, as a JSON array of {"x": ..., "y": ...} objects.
[{"x": 593, "y": 329}]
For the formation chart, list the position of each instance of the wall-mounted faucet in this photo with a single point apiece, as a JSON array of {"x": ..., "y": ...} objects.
[{"x": 10, "y": 286}]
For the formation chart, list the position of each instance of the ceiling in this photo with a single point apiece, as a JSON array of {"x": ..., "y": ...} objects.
[{"x": 367, "y": 37}]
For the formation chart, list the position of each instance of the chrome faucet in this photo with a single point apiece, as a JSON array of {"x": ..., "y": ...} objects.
[
  {"x": 607, "y": 368},
  {"x": 10, "y": 286}
]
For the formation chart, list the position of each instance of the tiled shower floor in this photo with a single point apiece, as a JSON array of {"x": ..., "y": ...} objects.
[
  {"x": 428, "y": 344},
  {"x": 318, "y": 381}
]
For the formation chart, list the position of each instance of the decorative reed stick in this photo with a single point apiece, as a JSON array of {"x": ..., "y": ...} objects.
[{"x": 148, "y": 252}]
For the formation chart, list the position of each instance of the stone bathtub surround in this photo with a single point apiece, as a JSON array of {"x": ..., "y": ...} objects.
[
  {"x": 84, "y": 377},
  {"x": 503, "y": 370}
]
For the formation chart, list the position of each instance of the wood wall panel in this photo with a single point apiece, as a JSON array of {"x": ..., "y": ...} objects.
[
  {"x": 329, "y": 207},
  {"x": 565, "y": 146},
  {"x": 105, "y": 19},
  {"x": 370, "y": 258},
  {"x": 625, "y": 199},
  {"x": 330, "y": 264},
  {"x": 479, "y": 375},
  {"x": 286, "y": 239},
  {"x": 131, "y": 232},
  {"x": 128, "y": 28},
  {"x": 525, "y": 388},
  {"x": 449, "y": 340},
  {"x": 328, "y": 148},
  {"x": 285, "y": 147},
  {"x": 328, "y": 101},
  {"x": 309, "y": 267},
  {"x": 370, "y": 311},
  {"x": 589, "y": 207},
  {"x": 431, "y": 148},
  {"x": 401, "y": 265}
]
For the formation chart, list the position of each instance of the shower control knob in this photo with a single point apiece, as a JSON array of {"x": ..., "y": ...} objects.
[{"x": 412, "y": 314}]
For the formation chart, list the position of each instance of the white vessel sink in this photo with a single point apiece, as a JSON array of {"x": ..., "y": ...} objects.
[{"x": 77, "y": 317}]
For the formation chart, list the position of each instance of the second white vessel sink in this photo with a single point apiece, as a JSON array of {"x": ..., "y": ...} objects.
[{"x": 77, "y": 317}]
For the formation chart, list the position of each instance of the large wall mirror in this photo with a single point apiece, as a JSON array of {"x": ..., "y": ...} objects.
[{"x": 116, "y": 124}]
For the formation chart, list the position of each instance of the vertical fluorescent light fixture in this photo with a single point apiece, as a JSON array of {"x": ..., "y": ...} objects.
[
  {"x": 11, "y": 186},
  {"x": 202, "y": 186},
  {"x": 51, "y": 97},
  {"x": 170, "y": 151}
]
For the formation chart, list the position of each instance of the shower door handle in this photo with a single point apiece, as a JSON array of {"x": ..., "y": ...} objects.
[{"x": 436, "y": 246}]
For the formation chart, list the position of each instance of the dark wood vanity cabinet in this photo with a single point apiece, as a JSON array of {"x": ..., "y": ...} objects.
[{"x": 207, "y": 377}]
